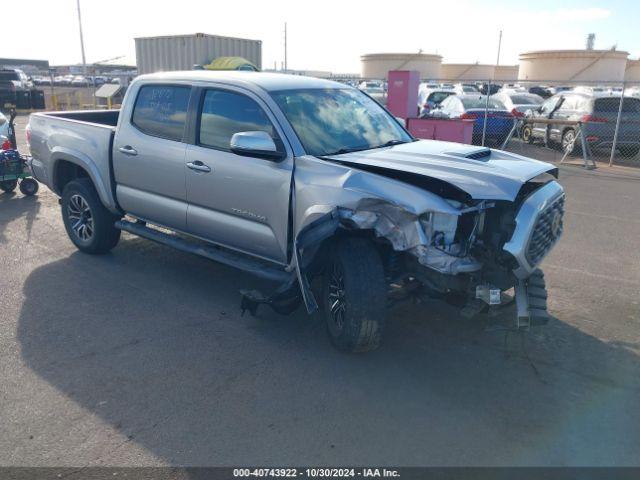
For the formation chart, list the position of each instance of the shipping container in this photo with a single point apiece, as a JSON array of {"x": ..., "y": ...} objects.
[{"x": 182, "y": 52}]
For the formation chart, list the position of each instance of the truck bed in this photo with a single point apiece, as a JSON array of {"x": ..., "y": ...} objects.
[
  {"x": 99, "y": 117},
  {"x": 84, "y": 138}
]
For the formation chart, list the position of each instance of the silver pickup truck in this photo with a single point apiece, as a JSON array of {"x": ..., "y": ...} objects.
[{"x": 311, "y": 184}]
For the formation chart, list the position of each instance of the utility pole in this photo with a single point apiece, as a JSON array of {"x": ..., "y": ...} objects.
[
  {"x": 499, "y": 45},
  {"x": 285, "y": 47},
  {"x": 84, "y": 60}
]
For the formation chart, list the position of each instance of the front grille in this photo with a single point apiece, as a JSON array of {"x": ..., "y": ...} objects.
[{"x": 546, "y": 232}]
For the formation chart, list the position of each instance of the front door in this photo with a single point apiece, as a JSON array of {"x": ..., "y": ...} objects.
[
  {"x": 237, "y": 201},
  {"x": 149, "y": 153}
]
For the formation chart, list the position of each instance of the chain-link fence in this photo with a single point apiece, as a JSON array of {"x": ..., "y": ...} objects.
[{"x": 596, "y": 122}]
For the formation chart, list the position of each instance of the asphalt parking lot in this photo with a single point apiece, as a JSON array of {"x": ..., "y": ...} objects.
[{"x": 141, "y": 357}]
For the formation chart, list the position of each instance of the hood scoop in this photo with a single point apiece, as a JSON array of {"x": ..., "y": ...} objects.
[{"x": 481, "y": 154}]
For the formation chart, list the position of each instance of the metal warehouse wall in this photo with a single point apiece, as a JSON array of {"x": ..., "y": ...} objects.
[{"x": 182, "y": 52}]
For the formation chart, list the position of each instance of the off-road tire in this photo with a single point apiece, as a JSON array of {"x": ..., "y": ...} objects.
[
  {"x": 104, "y": 236},
  {"x": 8, "y": 186},
  {"x": 364, "y": 295},
  {"x": 29, "y": 187}
]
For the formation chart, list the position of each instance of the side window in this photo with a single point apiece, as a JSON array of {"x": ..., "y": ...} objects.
[
  {"x": 550, "y": 105},
  {"x": 161, "y": 111},
  {"x": 225, "y": 113}
]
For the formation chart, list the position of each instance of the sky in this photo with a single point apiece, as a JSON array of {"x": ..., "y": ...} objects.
[{"x": 322, "y": 35}]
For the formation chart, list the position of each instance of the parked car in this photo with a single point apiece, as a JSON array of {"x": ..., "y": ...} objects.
[
  {"x": 80, "y": 81},
  {"x": 354, "y": 201},
  {"x": 599, "y": 114},
  {"x": 472, "y": 107},
  {"x": 489, "y": 87},
  {"x": 375, "y": 90},
  {"x": 466, "y": 88},
  {"x": 518, "y": 102},
  {"x": 429, "y": 99},
  {"x": 541, "y": 91},
  {"x": 12, "y": 82}
]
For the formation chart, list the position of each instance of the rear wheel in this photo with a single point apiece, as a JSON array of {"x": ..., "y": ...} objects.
[
  {"x": 89, "y": 224},
  {"x": 354, "y": 296},
  {"x": 29, "y": 187},
  {"x": 569, "y": 143},
  {"x": 8, "y": 186}
]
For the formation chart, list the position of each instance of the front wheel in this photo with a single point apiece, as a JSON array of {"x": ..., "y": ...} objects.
[
  {"x": 354, "y": 296},
  {"x": 527, "y": 134},
  {"x": 89, "y": 224},
  {"x": 8, "y": 186}
]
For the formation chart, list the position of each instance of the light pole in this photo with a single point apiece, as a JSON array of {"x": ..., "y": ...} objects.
[{"x": 84, "y": 60}]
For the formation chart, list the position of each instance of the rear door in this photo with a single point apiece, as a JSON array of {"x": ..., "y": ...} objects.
[
  {"x": 567, "y": 110},
  {"x": 149, "y": 155},
  {"x": 546, "y": 111},
  {"x": 237, "y": 201},
  {"x": 605, "y": 116}
]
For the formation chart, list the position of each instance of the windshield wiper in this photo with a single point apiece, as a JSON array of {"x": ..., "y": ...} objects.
[
  {"x": 347, "y": 150},
  {"x": 391, "y": 143}
]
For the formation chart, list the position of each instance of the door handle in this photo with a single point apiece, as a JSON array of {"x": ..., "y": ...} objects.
[
  {"x": 199, "y": 166},
  {"x": 128, "y": 150}
]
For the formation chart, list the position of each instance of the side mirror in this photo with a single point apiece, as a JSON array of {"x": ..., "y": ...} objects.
[{"x": 255, "y": 144}]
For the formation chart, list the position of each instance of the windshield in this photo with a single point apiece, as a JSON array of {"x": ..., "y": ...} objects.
[{"x": 333, "y": 121}]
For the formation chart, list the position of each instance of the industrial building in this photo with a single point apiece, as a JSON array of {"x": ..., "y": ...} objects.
[
  {"x": 632, "y": 72},
  {"x": 182, "y": 52},
  {"x": 573, "y": 65},
  {"x": 377, "y": 65}
]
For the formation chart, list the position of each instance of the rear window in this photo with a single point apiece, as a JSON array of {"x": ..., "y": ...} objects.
[
  {"x": 481, "y": 102},
  {"x": 526, "y": 99},
  {"x": 161, "y": 111},
  {"x": 611, "y": 105},
  {"x": 8, "y": 75}
]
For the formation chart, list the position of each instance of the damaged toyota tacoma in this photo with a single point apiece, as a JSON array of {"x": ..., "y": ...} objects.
[{"x": 310, "y": 184}]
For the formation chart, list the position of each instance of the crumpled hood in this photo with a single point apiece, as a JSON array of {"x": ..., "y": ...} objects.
[{"x": 498, "y": 176}]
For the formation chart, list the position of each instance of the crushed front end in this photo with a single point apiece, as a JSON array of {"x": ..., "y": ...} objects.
[{"x": 475, "y": 254}]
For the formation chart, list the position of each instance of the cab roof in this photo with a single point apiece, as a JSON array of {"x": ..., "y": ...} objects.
[{"x": 266, "y": 81}]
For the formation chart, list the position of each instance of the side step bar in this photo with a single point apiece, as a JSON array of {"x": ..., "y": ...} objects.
[{"x": 225, "y": 257}]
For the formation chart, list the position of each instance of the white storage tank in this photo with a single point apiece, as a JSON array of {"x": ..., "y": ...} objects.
[
  {"x": 573, "y": 65},
  {"x": 506, "y": 73},
  {"x": 632, "y": 72},
  {"x": 182, "y": 52},
  {"x": 467, "y": 71},
  {"x": 378, "y": 65}
]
